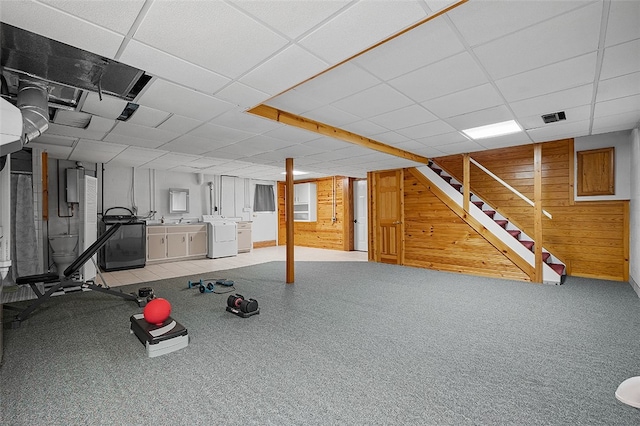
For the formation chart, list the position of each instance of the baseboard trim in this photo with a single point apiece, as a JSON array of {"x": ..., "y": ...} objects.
[
  {"x": 260, "y": 244},
  {"x": 634, "y": 285}
]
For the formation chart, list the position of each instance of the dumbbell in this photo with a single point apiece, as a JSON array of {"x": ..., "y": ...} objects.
[
  {"x": 238, "y": 301},
  {"x": 204, "y": 288}
]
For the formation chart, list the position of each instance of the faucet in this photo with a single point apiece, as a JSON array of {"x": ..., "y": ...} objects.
[{"x": 180, "y": 221}]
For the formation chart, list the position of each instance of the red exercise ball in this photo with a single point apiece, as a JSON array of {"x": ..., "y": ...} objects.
[{"x": 157, "y": 311}]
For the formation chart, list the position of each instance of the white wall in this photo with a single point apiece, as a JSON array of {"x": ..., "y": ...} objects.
[
  {"x": 622, "y": 162},
  {"x": 634, "y": 212}
]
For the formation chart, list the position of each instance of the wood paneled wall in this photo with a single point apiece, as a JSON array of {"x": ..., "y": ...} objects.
[
  {"x": 324, "y": 233},
  {"x": 591, "y": 238},
  {"x": 437, "y": 238}
]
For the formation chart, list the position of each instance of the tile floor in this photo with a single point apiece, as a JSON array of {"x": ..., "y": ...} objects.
[{"x": 191, "y": 267}]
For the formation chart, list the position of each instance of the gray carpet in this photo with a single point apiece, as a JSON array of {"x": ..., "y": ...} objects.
[{"x": 348, "y": 344}]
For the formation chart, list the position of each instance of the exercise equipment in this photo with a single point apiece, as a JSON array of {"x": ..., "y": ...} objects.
[
  {"x": 159, "y": 339},
  {"x": 209, "y": 287},
  {"x": 238, "y": 305},
  {"x": 67, "y": 280},
  {"x": 157, "y": 311}
]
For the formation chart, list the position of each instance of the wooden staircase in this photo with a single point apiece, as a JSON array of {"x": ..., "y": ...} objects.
[{"x": 506, "y": 230}]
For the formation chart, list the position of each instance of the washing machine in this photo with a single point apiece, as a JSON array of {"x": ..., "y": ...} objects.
[{"x": 222, "y": 234}]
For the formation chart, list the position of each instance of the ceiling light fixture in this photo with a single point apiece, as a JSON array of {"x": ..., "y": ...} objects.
[
  {"x": 493, "y": 130},
  {"x": 296, "y": 173}
]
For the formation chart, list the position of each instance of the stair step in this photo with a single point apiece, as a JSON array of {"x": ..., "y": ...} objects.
[
  {"x": 545, "y": 256},
  {"x": 457, "y": 186},
  {"x": 557, "y": 267},
  {"x": 447, "y": 178},
  {"x": 527, "y": 244},
  {"x": 437, "y": 170},
  {"x": 490, "y": 213},
  {"x": 514, "y": 233},
  {"x": 501, "y": 222},
  {"x": 478, "y": 204}
]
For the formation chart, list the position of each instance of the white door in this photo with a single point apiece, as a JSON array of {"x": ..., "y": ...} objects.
[{"x": 360, "y": 216}]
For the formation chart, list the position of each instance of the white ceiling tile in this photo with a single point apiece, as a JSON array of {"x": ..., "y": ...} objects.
[
  {"x": 95, "y": 151},
  {"x": 553, "y": 102},
  {"x": 613, "y": 123},
  {"x": 390, "y": 138},
  {"x": 425, "y": 130},
  {"x": 149, "y": 117},
  {"x": 284, "y": 70},
  {"x": 424, "y": 45},
  {"x": 618, "y": 106},
  {"x": 100, "y": 125},
  {"x": 205, "y": 162},
  {"x": 206, "y": 25},
  {"x": 621, "y": 59},
  {"x": 442, "y": 139},
  {"x": 158, "y": 63},
  {"x": 483, "y": 117},
  {"x": 49, "y": 139},
  {"x": 142, "y": 132},
  {"x": 331, "y": 115},
  {"x": 229, "y": 155},
  {"x": 364, "y": 128},
  {"x": 363, "y": 24},
  {"x": 135, "y": 156},
  {"x": 191, "y": 144},
  {"x": 473, "y": 99},
  {"x": 179, "y": 124},
  {"x": 292, "y": 18},
  {"x": 220, "y": 134},
  {"x": 373, "y": 101},
  {"x": 292, "y": 134},
  {"x": 178, "y": 146},
  {"x": 337, "y": 83},
  {"x": 409, "y": 145},
  {"x": 552, "y": 78},
  {"x": 241, "y": 95},
  {"x": 580, "y": 113},
  {"x": 563, "y": 37},
  {"x": 114, "y": 15},
  {"x": 251, "y": 123},
  {"x": 175, "y": 159},
  {"x": 109, "y": 107},
  {"x": 411, "y": 115},
  {"x": 559, "y": 130},
  {"x": 54, "y": 151},
  {"x": 295, "y": 102},
  {"x": 450, "y": 75},
  {"x": 54, "y": 24},
  {"x": 170, "y": 97},
  {"x": 482, "y": 21},
  {"x": 515, "y": 139},
  {"x": 623, "y": 22},
  {"x": 618, "y": 87},
  {"x": 129, "y": 140},
  {"x": 74, "y": 132}
]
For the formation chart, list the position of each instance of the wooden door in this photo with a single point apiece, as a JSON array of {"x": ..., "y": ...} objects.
[{"x": 389, "y": 232}]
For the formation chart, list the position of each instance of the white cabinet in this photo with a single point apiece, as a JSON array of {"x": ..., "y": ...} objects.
[
  {"x": 176, "y": 242},
  {"x": 244, "y": 237},
  {"x": 305, "y": 205}
]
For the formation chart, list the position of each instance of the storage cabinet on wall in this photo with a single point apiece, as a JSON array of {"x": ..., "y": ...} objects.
[
  {"x": 305, "y": 202},
  {"x": 176, "y": 242}
]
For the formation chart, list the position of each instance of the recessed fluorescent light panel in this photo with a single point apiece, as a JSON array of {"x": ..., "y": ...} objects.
[
  {"x": 493, "y": 130},
  {"x": 296, "y": 173}
]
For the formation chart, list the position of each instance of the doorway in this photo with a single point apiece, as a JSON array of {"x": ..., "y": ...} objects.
[{"x": 360, "y": 229}]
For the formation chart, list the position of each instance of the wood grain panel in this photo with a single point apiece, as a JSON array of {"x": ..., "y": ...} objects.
[
  {"x": 590, "y": 237},
  {"x": 325, "y": 232}
]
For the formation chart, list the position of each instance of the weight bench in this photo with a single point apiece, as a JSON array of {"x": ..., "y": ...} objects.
[{"x": 48, "y": 278}]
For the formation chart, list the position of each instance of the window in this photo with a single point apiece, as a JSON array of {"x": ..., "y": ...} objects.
[{"x": 264, "y": 199}]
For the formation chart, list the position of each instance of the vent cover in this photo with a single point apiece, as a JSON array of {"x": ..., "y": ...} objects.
[{"x": 553, "y": 117}]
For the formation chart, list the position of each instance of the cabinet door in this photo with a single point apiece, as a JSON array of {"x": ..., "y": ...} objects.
[
  {"x": 177, "y": 245},
  {"x": 244, "y": 240},
  {"x": 156, "y": 247},
  {"x": 197, "y": 243}
]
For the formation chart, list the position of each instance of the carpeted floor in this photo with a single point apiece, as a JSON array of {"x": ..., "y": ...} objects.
[{"x": 348, "y": 344}]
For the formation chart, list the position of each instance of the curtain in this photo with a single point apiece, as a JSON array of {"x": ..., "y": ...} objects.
[{"x": 263, "y": 199}]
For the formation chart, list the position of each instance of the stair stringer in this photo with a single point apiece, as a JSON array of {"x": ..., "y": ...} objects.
[{"x": 515, "y": 251}]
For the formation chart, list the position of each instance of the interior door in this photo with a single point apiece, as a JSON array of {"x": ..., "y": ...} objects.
[
  {"x": 360, "y": 236},
  {"x": 389, "y": 216}
]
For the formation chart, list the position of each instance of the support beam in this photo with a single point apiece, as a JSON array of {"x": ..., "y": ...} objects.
[
  {"x": 288, "y": 208},
  {"x": 537, "y": 210},
  {"x": 333, "y": 132}
]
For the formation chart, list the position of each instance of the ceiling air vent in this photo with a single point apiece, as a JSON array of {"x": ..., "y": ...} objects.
[
  {"x": 128, "y": 111},
  {"x": 552, "y": 118}
]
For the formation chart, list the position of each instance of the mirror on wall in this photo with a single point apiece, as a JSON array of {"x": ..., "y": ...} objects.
[{"x": 178, "y": 200}]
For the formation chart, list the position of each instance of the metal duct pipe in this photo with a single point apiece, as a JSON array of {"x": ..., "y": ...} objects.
[{"x": 32, "y": 102}]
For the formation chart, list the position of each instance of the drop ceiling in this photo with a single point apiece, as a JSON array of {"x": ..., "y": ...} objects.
[{"x": 361, "y": 66}]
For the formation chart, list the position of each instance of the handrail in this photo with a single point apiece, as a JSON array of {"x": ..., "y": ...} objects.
[{"x": 509, "y": 187}]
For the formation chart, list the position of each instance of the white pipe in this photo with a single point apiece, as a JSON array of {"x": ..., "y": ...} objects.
[
  {"x": 509, "y": 187},
  {"x": 5, "y": 218}
]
